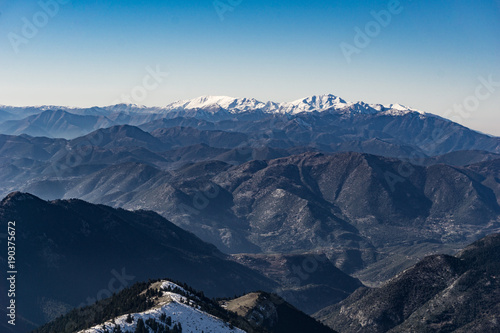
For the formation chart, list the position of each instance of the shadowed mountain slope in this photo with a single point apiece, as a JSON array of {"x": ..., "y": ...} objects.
[
  {"x": 439, "y": 294},
  {"x": 100, "y": 250}
]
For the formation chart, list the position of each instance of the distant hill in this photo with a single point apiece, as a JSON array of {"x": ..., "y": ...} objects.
[
  {"x": 308, "y": 281},
  {"x": 55, "y": 123},
  {"x": 71, "y": 253},
  {"x": 439, "y": 294},
  {"x": 372, "y": 188},
  {"x": 462, "y": 158},
  {"x": 324, "y": 122},
  {"x": 351, "y": 206},
  {"x": 342, "y": 195}
]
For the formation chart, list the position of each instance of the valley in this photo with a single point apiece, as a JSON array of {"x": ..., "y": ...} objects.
[{"x": 313, "y": 202}]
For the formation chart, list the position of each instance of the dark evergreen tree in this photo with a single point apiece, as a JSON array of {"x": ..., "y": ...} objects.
[
  {"x": 177, "y": 328},
  {"x": 141, "y": 327}
]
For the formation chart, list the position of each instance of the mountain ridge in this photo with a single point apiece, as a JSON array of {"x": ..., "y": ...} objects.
[
  {"x": 167, "y": 306},
  {"x": 100, "y": 248},
  {"x": 441, "y": 293},
  {"x": 236, "y": 105}
]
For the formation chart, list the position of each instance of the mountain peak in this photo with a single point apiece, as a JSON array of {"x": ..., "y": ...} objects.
[
  {"x": 318, "y": 103},
  {"x": 231, "y": 104},
  {"x": 318, "y": 99},
  {"x": 315, "y": 103},
  {"x": 18, "y": 196}
]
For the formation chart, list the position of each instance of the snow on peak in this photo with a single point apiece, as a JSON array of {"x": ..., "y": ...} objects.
[
  {"x": 231, "y": 104},
  {"x": 395, "y": 109},
  {"x": 166, "y": 285},
  {"x": 318, "y": 103},
  {"x": 336, "y": 104},
  {"x": 213, "y": 105},
  {"x": 315, "y": 103},
  {"x": 174, "y": 306}
]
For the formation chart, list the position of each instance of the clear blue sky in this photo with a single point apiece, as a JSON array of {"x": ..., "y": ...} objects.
[{"x": 430, "y": 56}]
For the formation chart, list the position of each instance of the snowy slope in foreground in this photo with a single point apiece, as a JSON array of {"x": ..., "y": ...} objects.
[{"x": 172, "y": 305}]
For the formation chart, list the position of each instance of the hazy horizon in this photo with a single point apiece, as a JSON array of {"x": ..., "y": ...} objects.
[{"x": 428, "y": 56}]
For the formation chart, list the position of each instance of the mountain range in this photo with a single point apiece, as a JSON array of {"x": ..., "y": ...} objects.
[
  {"x": 319, "y": 201},
  {"x": 101, "y": 250},
  {"x": 326, "y": 123},
  {"x": 347, "y": 205},
  {"x": 65, "y": 122},
  {"x": 439, "y": 294},
  {"x": 218, "y": 103},
  {"x": 266, "y": 180}
]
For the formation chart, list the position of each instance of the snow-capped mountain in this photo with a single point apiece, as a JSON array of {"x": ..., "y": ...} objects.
[
  {"x": 60, "y": 122},
  {"x": 314, "y": 103},
  {"x": 317, "y": 103},
  {"x": 171, "y": 309},
  {"x": 215, "y": 107},
  {"x": 233, "y": 105}
]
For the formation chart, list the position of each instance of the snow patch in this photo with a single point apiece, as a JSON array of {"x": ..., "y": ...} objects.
[
  {"x": 316, "y": 103},
  {"x": 188, "y": 315}
]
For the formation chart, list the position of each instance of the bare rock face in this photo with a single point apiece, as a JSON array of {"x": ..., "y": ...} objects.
[
  {"x": 272, "y": 313},
  {"x": 257, "y": 308}
]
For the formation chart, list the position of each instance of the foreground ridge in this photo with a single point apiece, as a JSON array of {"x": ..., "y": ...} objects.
[{"x": 167, "y": 306}]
